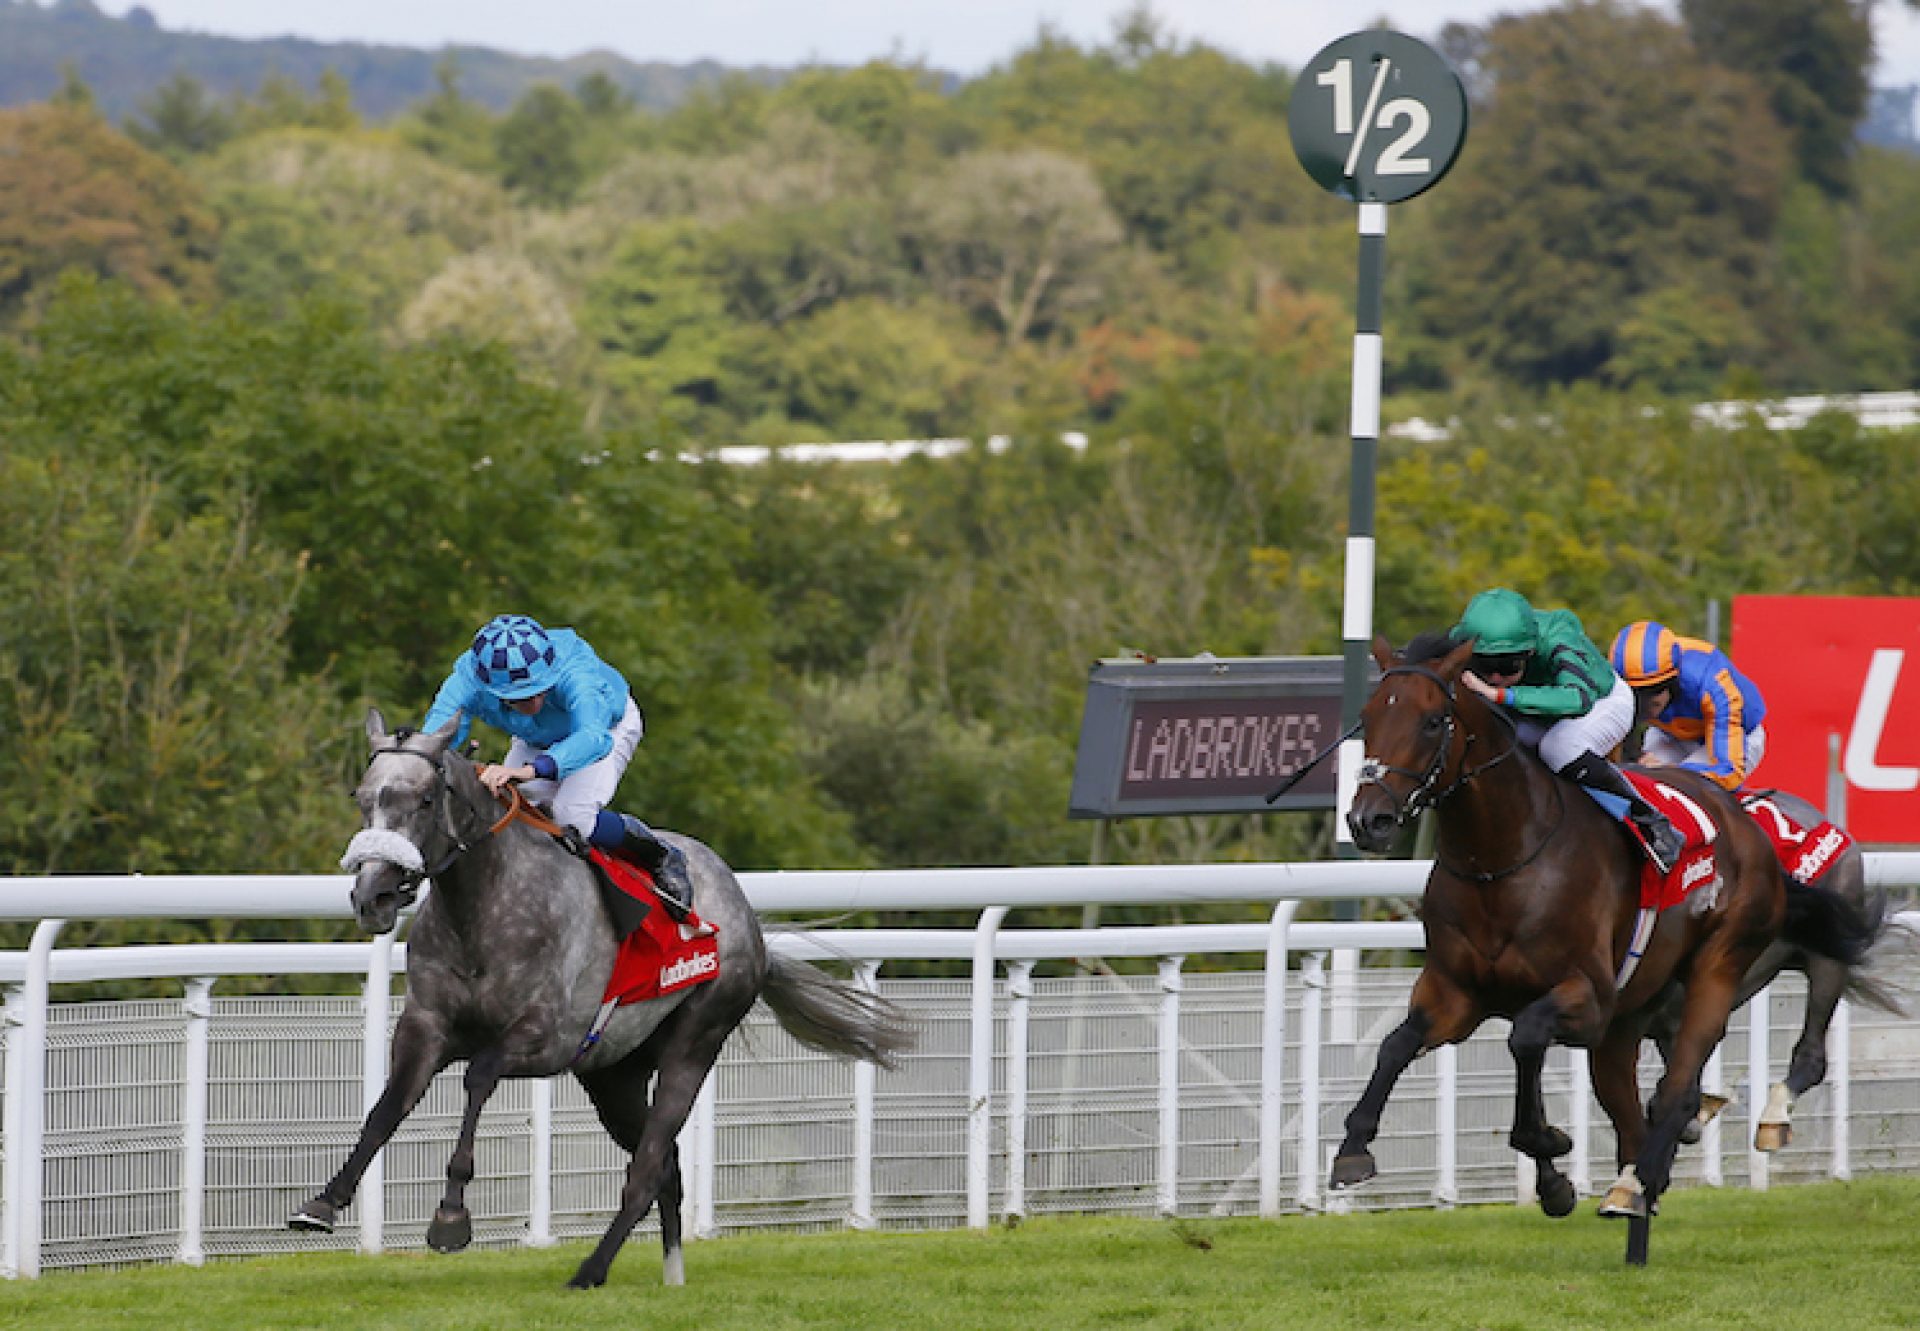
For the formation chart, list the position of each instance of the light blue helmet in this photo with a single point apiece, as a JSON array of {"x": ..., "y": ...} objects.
[{"x": 514, "y": 657}]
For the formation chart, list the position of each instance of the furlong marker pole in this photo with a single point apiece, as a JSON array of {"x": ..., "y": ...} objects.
[
  {"x": 1356, "y": 620},
  {"x": 1356, "y": 629}
]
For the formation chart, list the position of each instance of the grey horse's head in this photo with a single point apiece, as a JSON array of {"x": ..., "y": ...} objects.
[{"x": 407, "y": 826}]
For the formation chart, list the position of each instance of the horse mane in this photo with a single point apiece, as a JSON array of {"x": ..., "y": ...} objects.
[{"x": 1426, "y": 647}]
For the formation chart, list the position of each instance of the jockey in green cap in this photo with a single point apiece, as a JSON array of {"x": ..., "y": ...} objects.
[{"x": 1541, "y": 665}]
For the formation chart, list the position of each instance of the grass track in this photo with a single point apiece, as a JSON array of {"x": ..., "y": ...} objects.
[{"x": 1837, "y": 1255}]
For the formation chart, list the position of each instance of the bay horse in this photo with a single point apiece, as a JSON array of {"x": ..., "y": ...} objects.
[
  {"x": 1828, "y": 980},
  {"x": 1529, "y": 913},
  {"x": 507, "y": 961}
]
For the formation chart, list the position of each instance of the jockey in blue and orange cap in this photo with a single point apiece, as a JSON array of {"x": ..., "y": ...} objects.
[{"x": 1704, "y": 714}]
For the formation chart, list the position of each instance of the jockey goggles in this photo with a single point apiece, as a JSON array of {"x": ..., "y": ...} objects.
[{"x": 1506, "y": 663}]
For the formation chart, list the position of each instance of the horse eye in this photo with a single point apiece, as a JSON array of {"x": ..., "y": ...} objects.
[
  {"x": 426, "y": 800},
  {"x": 1433, "y": 723}
]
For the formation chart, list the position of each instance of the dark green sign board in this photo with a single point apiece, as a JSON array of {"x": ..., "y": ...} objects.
[{"x": 1377, "y": 117}]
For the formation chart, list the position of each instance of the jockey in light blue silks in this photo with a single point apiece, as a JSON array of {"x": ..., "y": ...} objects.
[{"x": 574, "y": 726}]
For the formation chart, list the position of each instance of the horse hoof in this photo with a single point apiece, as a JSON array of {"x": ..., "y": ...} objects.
[
  {"x": 1772, "y": 1136},
  {"x": 316, "y": 1217},
  {"x": 451, "y": 1230},
  {"x": 1690, "y": 1134},
  {"x": 585, "y": 1279},
  {"x": 1352, "y": 1170},
  {"x": 1623, "y": 1203},
  {"x": 1627, "y": 1198},
  {"x": 1557, "y": 1197}
]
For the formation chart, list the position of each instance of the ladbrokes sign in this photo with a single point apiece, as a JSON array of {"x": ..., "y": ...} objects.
[{"x": 1846, "y": 666}]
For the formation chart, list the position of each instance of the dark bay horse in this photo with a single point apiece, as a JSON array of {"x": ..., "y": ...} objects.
[
  {"x": 1828, "y": 980},
  {"x": 1529, "y": 914},
  {"x": 506, "y": 964}
]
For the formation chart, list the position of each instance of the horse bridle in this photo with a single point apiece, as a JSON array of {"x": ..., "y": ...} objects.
[
  {"x": 1423, "y": 795},
  {"x": 459, "y": 845},
  {"x": 1373, "y": 770}
]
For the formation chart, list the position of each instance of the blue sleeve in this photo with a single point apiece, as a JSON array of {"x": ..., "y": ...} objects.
[
  {"x": 1722, "y": 707},
  {"x": 593, "y": 722},
  {"x": 454, "y": 696}
]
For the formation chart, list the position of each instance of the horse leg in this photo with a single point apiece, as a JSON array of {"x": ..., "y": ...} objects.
[
  {"x": 1826, "y": 984},
  {"x": 619, "y": 1094},
  {"x": 1438, "y": 1014},
  {"x": 1703, "y": 1023},
  {"x": 419, "y": 1052},
  {"x": 452, "y": 1227},
  {"x": 1616, "y": 1084},
  {"x": 655, "y": 1158},
  {"x": 1533, "y": 1034}
]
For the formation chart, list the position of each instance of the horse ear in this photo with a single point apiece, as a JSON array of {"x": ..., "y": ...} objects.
[
  {"x": 1457, "y": 660},
  {"x": 1383, "y": 652},
  {"x": 444, "y": 735},
  {"x": 376, "y": 728}
]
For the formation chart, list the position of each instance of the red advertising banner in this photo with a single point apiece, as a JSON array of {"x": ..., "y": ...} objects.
[{"x": 1846, "y": 666}]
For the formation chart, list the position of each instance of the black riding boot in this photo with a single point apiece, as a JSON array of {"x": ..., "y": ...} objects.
[
  {"x": 667, "y": 864},
  {"x": 1663, "y": 840}
]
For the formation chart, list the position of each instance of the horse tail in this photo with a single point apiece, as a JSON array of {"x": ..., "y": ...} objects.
[
  {"x": 1899, "y": 936},
  {"x": 1829, "y": 925},
  {"x": 835, "y": 1017}
]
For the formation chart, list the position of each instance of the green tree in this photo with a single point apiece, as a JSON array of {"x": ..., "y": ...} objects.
[
  {"x": 153, "y": 724},
  {"x": 538, "y": 147},
  {"x": 73, "y": 92},
  {"x": 357, "y": 214},
  {"x": 1580, "y": 197},
  {"x": 1021, "y": 238},
  {"x": 75, "y": 193},
  {"x": 450, "y": 126},
  {"x": 661, "y": 323},
  {"x": 422, "y": 490},
  {"x": 1812, "y": 56},
  {"x": 181, "y": 120}
]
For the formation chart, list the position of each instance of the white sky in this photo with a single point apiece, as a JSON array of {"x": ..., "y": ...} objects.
[{"x": 965, "y": 36}]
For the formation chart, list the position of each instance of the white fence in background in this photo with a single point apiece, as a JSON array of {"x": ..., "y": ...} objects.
[
  {"x": 183, "y": 1129},
  {"x": 1875, "y": 411}
]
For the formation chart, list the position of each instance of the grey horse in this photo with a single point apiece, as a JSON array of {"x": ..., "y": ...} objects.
[
  {"x": 506, "y": 963},
  {"x": 1828, "y": 981}
]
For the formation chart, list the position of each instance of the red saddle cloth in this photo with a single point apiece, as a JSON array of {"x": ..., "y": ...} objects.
[
  {"x": 1695, "y": 868},
  {"x": 662, "y": 955},
  {"x": 1806, "y": 852}
]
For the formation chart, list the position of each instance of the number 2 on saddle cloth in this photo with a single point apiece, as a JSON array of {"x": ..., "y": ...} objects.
[{"x": 1806, "y": 853}]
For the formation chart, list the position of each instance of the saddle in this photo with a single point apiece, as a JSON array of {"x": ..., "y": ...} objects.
[
  {"x": 658, "y": 954},
  {"x": 1695, "y": 867}
]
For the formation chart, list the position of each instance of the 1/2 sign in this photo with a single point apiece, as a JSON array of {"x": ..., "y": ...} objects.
[{"x": 1377, "y": 117}]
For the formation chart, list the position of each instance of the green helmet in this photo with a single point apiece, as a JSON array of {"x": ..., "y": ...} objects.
[{"x": 1502, "y": 621}]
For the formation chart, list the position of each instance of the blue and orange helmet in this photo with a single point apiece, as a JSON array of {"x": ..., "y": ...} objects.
[
  {"x": 1646, "y": 653},
  {"x": 514, "y": 657}
]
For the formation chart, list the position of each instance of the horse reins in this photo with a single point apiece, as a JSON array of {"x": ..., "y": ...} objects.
[{"x": 1422, "y": 796}]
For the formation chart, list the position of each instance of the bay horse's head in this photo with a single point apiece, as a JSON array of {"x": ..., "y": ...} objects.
[
  {"x": 408, "y": 832},
  {"x": 1413, "y": 737}
]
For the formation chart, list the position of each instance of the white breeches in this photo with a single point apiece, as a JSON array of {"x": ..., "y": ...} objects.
[
  {"x": 576, "y": 800},
  {"x": 1679, "y": 752},
  {"x": 1599, "y": 730}
]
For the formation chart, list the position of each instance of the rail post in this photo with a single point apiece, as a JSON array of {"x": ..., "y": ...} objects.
[{"x": 197, "y": 1004}]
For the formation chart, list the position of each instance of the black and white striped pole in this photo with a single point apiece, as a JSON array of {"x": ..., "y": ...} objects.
[{"x": 1376, "y": 117}]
